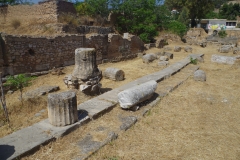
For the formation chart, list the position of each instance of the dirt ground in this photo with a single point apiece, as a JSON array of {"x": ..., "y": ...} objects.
[{"x": 199, "y": 120}]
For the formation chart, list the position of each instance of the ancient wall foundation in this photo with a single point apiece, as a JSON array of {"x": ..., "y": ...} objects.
[{"x": 23, "y": 54}]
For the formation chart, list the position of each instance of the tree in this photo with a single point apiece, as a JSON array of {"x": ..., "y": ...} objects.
[
  {"x": 82, "y": 8},
  {"x": 197, "y": 8},
  {"x": 229, "y": 11},
  {"x": 211, "y": 15},
  {"x": 19, "y": 82},
  {"x": 177, "y": 28},
  {"x": 163, "y": 17},
  {"x": 97, "y": 7},
  {"x": 183, "y": 17},
  {"x": 138, "y": 17},
  {"x": 218, "y": 3},
  {"x": 3, "y": 101}
]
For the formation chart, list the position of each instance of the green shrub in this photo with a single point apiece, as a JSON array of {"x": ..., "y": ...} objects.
[
  {"x": 177, "y": 28},
  {"x": 193, "y": 61},
  {"x": 15, "y": 23},
  {"x": 19, "y": 82},
  {"x": 222, "y": 33}
]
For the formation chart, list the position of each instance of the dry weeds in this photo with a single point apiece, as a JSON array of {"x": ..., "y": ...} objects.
[
  {"x": 23, "y": 117},
  {"x": 196, "y": 121}
]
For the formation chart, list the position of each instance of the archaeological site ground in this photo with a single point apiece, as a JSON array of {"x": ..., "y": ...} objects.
[{"x": 100, "y": 95}]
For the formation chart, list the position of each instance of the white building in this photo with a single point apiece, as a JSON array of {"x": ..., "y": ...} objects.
[{"x": 218, "y": 24}]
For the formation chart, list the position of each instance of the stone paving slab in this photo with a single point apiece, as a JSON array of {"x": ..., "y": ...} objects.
[
  {"x": 32, "y": 137},
  {"x": 28, "y": 139}
]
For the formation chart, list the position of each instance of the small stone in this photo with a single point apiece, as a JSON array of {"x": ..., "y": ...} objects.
[
  {"x": 188, "y": 49},
  {"x": 163, "y": 58},
  {"x": 10, "y": 92},
  {"x": 177, "y": 49},
  {"x": 128, "y": 122},
  {"x": 37, "y": 114},
  {"x": 163, "y": 63},
  {"x": 69, "y": 83},
  {"x": 200, "y": 75}
]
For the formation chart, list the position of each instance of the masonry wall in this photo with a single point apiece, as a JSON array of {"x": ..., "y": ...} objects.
[
  {"x": 32, "y": 54},
  {"x": 121, "y": 48}
]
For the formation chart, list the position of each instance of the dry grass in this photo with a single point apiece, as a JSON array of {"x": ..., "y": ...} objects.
[
  {"x": 23, "y": 117},
  {"x": 15, "y": 23},
  {"x": 68, "y": 19},
  {"x": 197, "y": 121}
]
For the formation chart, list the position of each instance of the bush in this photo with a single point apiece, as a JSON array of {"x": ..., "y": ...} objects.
[
  {"x": 177, "y": 28},
  {"x": 222, "y": 33},
  {"x": 15, "y": 23}
]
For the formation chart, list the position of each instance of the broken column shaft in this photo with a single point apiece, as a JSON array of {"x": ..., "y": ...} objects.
[{"x": 62, "y": 108}]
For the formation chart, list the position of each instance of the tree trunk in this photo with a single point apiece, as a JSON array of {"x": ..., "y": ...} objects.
[{"x": 193, "y": 22}]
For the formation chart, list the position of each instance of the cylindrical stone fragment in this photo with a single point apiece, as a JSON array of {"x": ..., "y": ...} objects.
[
  {"x": 85, "y": 64},
  {"x": 149, "y": 58},
  {"x": 62, "y": 108},
  {"x": 137, "y": 94},
  {"x": 114, "y": 74}
]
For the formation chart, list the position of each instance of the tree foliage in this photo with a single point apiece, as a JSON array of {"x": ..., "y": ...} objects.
[
  {"x": 229, "y": 11},
  {"x": 183, "y": 17},
  {"x": 138, "y": 17},
  {"x": 197, "y": 8},
  {"x": 177, "y": 28}
]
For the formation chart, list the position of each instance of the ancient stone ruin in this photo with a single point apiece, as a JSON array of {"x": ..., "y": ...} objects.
[
  {"x": 62, "y": 108},
  {"x": 114, "y": 74},
  {"x": 137, "y": 94},
  {"x": 86, "y": 75}
]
